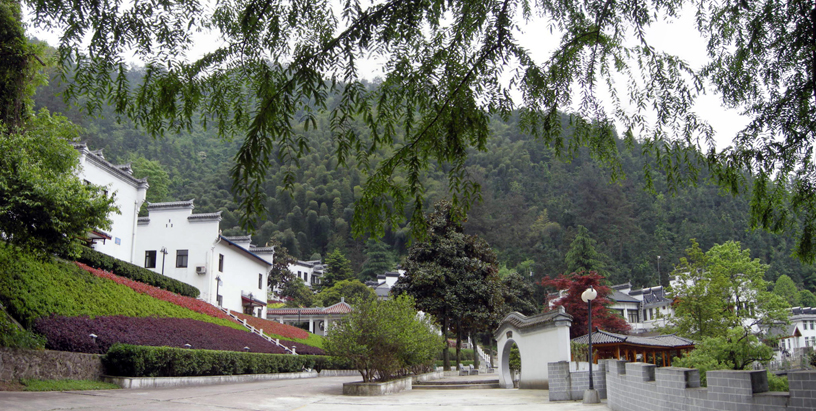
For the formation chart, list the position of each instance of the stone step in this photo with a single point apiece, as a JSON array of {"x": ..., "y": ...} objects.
[
  {"x": 454, "y": 386},
  {"x": 461, "y": 382}
]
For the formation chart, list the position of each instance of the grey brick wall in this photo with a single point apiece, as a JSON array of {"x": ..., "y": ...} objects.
[
  {"x": 568, "y": 386},
  {"x": 644, "y": 387}
]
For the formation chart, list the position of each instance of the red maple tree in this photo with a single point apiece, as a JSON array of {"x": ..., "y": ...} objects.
[{"x": 574, "y": 285}]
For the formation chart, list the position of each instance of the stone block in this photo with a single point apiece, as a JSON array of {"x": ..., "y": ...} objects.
[{"x": 639, "y": 371}]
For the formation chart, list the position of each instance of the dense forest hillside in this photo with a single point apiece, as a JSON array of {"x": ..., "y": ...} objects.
[{"x": 532, "y": 202}]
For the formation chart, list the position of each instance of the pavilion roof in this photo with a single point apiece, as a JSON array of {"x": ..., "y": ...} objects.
[{"x": 605, "y": 337}]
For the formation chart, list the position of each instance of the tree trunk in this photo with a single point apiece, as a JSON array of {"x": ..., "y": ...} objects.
[
  {"x": 458, "y": 342},
  {"x": 445, "y": 352},
  {"x": 475, "y": 351}
]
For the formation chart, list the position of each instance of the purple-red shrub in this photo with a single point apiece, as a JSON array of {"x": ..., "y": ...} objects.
[
  {"x": 301, "y": 348},
  {"x": 73, "y": 334}
]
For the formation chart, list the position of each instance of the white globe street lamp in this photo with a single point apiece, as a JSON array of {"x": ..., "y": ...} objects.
[{"x": 590, "y": 395}]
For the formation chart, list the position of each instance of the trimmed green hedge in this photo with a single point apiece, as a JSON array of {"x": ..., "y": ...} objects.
[
  {"x": 121, "y": 268},
  {"x": 142, "y": 361}
]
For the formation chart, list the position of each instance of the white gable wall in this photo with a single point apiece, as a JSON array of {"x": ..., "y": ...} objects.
[
  {"x": 240, "y": 276},
  {"x": 170, "y": 229},
  {"x": 129, "y": 195}
]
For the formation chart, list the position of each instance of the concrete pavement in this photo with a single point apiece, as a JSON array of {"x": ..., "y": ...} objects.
[{"x": 315, "y": 394}]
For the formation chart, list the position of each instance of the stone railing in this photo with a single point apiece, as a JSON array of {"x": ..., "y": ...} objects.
[
  {"x": 259, "y": 332},
  {"x": 645, "y": 387}
]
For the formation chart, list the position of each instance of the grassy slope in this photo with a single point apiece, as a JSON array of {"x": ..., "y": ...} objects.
[{"x": 31, "y": 289}]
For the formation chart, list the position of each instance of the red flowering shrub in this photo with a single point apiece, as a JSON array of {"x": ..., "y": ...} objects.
[
  {"x": 74, "y": 334},
  {"x": 155, "y": 292},
  {"x": 273, "y": 327}
]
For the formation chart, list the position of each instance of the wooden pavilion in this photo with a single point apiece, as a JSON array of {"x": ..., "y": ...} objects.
[{"x": 658, "y": 349}]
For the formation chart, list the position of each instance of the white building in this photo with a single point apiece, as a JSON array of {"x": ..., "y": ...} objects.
[
  {"x": 800, "y": 335},
  {"x": 129, "y": 195},
  {"x": 653, "y": 307},
  {"x": 188, "y": 247},
  {"x": 310, "y": 272},
  {"x": 382, "y": 286}
]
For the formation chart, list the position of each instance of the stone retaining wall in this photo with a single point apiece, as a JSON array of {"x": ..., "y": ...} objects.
[
  {"x": 16, "y": 364},
  {"x": 164, "y": 382},
  {"x": 566, "y": 385},
  {"x": 644, "y": 387}
]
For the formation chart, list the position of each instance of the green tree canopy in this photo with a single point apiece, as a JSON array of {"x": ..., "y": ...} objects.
[
  {"x": 519, "y": 295},
  {"x": 296, "y": 293},
  {"x": 721, "y": 290},
  {"x": 338, "y": 268},
  {"x": 786, "y": 289},
  {"x": 807, "y": 299},
  {"x": 280, "y": 274},
  {"x": 452, "y": 276},
  {"x": 378, "y": 260},
  {"x": 351, "y": 290},
  {"x": 384, "y": 339},
  {"x": 582, "y": 256},
  {"x": 157, "y": 177},
  {"x": 444, "y": 68},
  {"x": 43, "y": 204}
]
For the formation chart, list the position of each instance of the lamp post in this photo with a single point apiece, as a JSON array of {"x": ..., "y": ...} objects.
[
  {"x": 659, "y": 279},
  {"x": 164, "y": 255},
  {"x": 590, "y": 395},
  {"x": 218, "y": 290}
]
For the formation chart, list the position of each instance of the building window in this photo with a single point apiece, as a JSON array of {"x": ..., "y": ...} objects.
[
  {"x": 221, "y": 263},
  {"x": 260, "y": 281},
  {"x": 150, "y": 259},
  {"x": 181, "y": 258},
  {"x": 633, "y": 316}
]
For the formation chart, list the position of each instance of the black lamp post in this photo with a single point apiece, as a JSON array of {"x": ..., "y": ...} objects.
[
  {"x": 164, "y": 255},
  {"x": 590, "y": 395},
  {"x": 218, "y": 290}
]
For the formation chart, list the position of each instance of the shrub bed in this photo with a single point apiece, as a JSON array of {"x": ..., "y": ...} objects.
[
  {"x": 73, "y": 334},
  {"x": 140, "y": 361},
  {"x": 102, "y": 261},
  {"x": 31, "y": 288},
  {"x": 164, "y": 295}
]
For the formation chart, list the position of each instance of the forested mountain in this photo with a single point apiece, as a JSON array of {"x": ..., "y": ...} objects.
[{"x": 532, "y": 202}]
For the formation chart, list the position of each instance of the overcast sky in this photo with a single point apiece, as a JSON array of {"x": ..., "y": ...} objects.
[{"x": 678, "y": 37}]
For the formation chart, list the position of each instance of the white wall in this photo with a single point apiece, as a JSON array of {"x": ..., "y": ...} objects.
[
  {"x": 240, "y": 276},
  {"x": 537, "y": 347},
  {"x": 129, "y": 194},
  {"x": 175, "y": 227}
]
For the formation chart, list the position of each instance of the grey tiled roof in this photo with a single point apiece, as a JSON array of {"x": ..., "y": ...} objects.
[
  {"x": 144, "y": 220},
  {"x": 803, "y": 310},
  {"x": 205, "y": 216},
  {"x": 124, "y": 172},
  {"x": 622, "y": 298},
  {"x": 605, "y": 337},
  {"x": 171, "y": 205},
  {"x": 521, "y": 321},
  {"x": 239, "y": 238}
]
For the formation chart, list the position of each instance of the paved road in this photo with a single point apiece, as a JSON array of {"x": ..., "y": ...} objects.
[{"x": 315, "y": 394}]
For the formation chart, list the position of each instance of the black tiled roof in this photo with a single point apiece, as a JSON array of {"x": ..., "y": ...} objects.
[{"x": 605, "y": 337}]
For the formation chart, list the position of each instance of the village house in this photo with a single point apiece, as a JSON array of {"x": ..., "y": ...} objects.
[
  {"x": 188, "y": 247},
  {"x": 309, "y": 271},
  {"x": 129, "y": 194}
]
